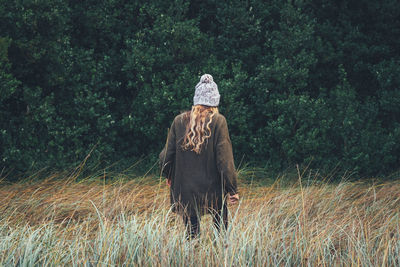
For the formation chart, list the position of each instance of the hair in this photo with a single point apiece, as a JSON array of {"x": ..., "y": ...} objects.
[{"x": 198, "y": 127}]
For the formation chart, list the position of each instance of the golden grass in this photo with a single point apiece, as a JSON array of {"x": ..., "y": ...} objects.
[{"x": 59, "y": 221}]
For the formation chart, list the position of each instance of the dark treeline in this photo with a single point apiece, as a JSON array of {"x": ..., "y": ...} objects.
[{"x": 301, "y": 82}]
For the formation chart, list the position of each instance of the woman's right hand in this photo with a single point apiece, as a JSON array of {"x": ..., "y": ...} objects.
[{"x": 233, "y": 199}]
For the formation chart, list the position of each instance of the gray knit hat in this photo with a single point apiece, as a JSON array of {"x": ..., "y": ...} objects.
[{"x": 206, "y": 92}]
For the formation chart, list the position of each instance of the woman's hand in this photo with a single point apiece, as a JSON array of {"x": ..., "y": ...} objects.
[
  {"x": 233, "y": 199},
  {"x": 169, "y": 182}
]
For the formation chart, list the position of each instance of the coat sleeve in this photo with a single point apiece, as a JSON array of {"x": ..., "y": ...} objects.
[
  {"x": 224, "y": 157},
  {"x": 167, "y": 155}
]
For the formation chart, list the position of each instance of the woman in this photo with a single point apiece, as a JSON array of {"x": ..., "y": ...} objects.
[{"x": 198, "y": 161}]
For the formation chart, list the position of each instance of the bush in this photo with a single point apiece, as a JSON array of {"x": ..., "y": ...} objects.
[{"x": 302, "y": 82}]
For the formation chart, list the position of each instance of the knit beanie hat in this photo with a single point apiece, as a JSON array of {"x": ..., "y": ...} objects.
[{"x": 206, "y": 92}]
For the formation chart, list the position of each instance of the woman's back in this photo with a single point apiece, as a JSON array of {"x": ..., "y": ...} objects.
[{"x": 202, "y": 178}]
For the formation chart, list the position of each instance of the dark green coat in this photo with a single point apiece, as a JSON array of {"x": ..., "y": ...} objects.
[{"x": 199, "y": 181}]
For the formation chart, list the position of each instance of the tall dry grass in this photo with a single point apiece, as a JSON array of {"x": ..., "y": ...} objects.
[{"x": 60, "y": 221}]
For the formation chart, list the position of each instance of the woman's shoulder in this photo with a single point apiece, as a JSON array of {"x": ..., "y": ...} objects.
[
  {"x": 181, "y": 118},
  {"x": 184, "y": 116},
  {"x": 219, "y": 118}
]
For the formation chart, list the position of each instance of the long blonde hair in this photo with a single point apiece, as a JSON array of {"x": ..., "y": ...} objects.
[{"x": 198, "y": 127}]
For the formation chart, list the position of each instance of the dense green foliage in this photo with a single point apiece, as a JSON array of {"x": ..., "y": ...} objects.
[{"x": 302, "y": 82}]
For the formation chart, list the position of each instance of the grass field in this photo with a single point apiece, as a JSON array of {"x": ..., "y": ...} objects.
[{"x": 127, "y": 222}]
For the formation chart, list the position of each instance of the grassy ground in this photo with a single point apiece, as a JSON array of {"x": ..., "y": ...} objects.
[{"x": 62, "y": 221}]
